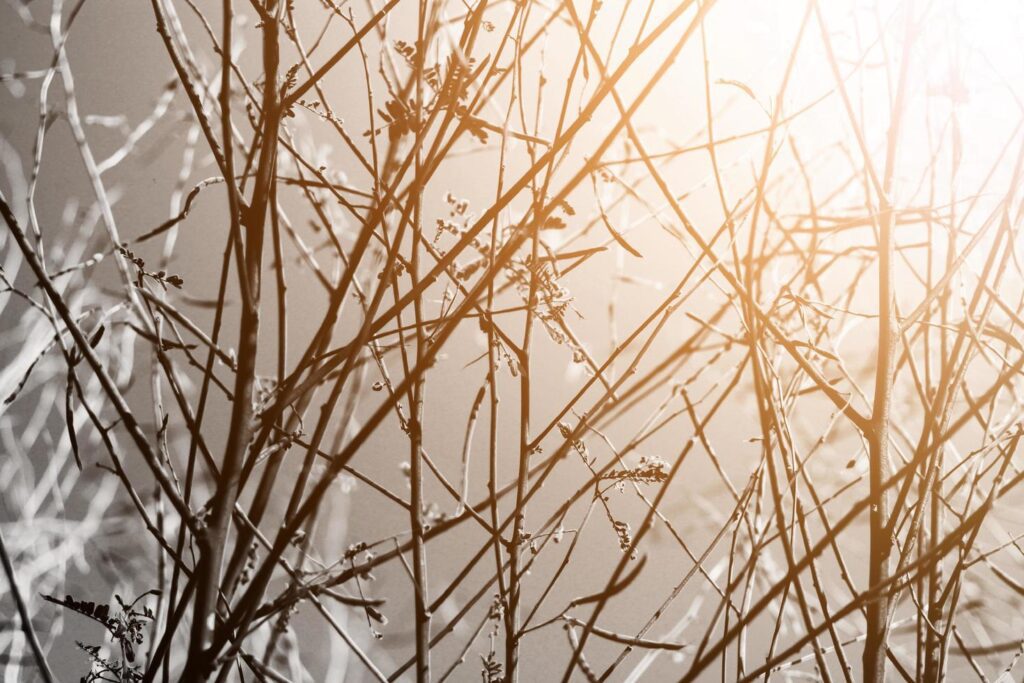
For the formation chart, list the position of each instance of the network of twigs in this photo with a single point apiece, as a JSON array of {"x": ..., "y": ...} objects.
[{"x": 483, "y": 355}]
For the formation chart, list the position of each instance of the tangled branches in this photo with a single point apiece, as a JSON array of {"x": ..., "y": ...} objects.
[{"x": 439, "y": 281}]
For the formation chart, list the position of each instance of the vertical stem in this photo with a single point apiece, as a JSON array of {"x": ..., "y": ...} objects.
[
  {"x": 878, "y": 437},
  {"x": 878, "y": 464},
  {"x": 877, "y": 429},
  {"x": 213, "y": 539},
  {"x": 933, "y": 580},
  {"x": 419, "y": 561}
]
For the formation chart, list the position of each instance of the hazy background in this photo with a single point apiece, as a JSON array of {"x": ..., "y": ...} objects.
[{"x": 969, "y": 60}]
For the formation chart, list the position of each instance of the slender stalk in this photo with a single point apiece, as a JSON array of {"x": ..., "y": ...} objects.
[{"x": 25, "y": 616}]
